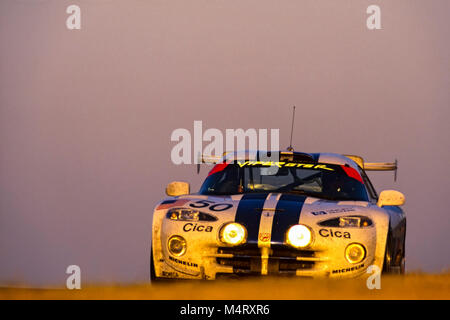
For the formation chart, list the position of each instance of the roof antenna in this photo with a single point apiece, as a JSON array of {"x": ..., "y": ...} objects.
[
  {"x": 395, "y": 173},
  {"x": 200, "y": 160},
  {"x": 290, "y": 148}
]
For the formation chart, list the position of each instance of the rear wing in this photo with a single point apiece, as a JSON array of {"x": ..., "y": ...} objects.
[
  {"x": 209, "y": 159},
  {"x": 375, "y": 166},
  {"x": 242, "y": 155}
]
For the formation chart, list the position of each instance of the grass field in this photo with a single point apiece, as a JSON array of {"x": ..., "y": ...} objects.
[{"x": 411, "y": 286}]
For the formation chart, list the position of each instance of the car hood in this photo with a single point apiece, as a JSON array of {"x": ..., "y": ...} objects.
[{"x": 286, "y": 209}]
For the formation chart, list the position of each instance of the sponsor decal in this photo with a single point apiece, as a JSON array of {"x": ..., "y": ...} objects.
[
  {"x": 196, "y": 227},
  {"x": 264, "y": 237},
  {"x": 170, "y": 274},
  {"x": 213, "y": 206},
  {"x": 318, "y": 213},
  {"x": 184, "y": 263},
  {"x": 348, "y": 269},
  {"x": 330, "y": 211},
  {"x": 334, "y": 233},
  {"x": 284, "y": 165}
]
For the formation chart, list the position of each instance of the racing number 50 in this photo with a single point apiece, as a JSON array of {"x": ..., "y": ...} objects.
[{"x": 213, "y": 207}]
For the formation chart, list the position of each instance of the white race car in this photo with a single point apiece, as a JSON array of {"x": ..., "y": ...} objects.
[{"x": 317, "y": 216}]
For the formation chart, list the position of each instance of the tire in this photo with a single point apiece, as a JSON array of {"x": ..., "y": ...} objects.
[
  {"x": 403, "y": 265},
  {"x": 403, "y": 257},
  {"x": 393, "y": 263},
  {"x": 387, "y": 265},
  {"x": 153, "y": 276}
]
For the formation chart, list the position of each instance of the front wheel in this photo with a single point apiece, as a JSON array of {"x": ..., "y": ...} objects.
[
  {"x": 394, "y": 262},
  {"x": 153, "y": 276}
]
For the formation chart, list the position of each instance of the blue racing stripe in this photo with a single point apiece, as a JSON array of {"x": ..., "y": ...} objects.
[
  {"x": 247, "y": 214},
  {"x": 287, "y": 214}
]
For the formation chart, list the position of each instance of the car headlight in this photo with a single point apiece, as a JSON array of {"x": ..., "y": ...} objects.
[
  {"x": 355, "y": 253},
  {"x": 299, "y": 236},
  {"x": 347, "y": 222},
  {"x": 186, "y": 214},
  {"x": 233, "y": 234},
  {"x": 177, "y": 245}
]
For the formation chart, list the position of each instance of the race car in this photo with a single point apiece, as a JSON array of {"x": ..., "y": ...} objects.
[{"x": 305, "y": 214}]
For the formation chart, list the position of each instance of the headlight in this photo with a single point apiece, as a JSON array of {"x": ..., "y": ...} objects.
[
  {"x": 233, "y": 234},
  {"x": 347, "y": 222},
  {"x": 299, "y": 236},
  {"x": 186, "y": 214},
  {"x": 177, "y": 245},
  {"x": 355, "y": 253}
]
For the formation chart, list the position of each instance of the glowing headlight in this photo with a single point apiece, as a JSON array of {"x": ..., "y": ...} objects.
[
  {"x": 299, "y": 236},
  {"x": 355, "y": 253},
  {"x": 177, "y": 245},
  {"x": 347, "y": 222},
  {"x": 233, "y": 234},
  {"x": 183, "y": 214},
  {"x": 186, "y": 214}
]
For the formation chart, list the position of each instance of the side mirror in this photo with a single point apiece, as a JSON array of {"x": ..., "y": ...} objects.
[
  {"x": 391, "y": 198},
  {"x": 177, "y": 188}
]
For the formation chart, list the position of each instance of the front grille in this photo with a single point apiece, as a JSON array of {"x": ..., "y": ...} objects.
[{"x": 246, "y": 259}]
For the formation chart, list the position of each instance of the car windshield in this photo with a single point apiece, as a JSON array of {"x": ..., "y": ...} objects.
[{"x": 327, "y": 181}]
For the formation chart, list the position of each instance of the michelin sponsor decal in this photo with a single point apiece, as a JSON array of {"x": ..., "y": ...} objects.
[
  {"x": 184, "y": 263},
  {"x": 345, "y": 270}
]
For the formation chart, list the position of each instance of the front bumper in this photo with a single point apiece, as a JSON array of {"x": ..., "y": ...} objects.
[{"x": 251, "y": 260}]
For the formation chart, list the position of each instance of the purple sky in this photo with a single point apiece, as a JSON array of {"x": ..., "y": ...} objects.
[{"x": 86, "y": 115}]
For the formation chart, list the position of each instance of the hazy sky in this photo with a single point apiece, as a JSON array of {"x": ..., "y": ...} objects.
[{"x": 86, "y": 115}]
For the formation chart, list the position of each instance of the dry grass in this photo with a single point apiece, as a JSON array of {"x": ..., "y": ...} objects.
[{"x": 411, "y": 286}]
